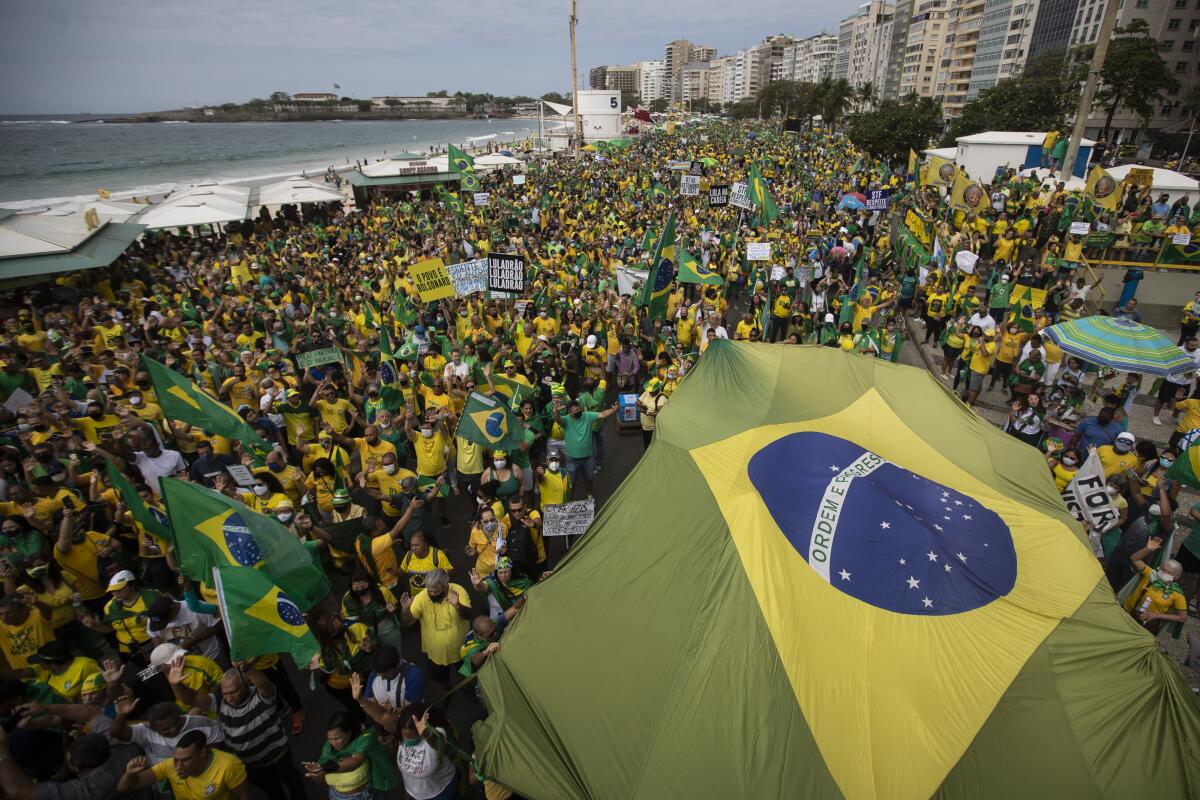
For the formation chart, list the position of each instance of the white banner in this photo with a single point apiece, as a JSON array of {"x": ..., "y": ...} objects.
[
  {"x": 469, "y": 277},
  {"x": 482, "y": 198},
  {"x": 568, "y": 519},
  {"x": 966, "y": 260},
  {"x": 518, "y": 179},
  {"x": 1086, "y": 496},
  {"x": 630, "y": 280},
  {"x": 689, "y": 185},
  {"x": 758, "y": 251}
]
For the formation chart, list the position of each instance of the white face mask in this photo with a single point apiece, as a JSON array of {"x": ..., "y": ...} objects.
[
  {"x": 1155, "y": 510},
  {"x": 284, "y": 516},
  {"x": 553, "y": 465},
  {"x": 259, "y": 489},
  {"x": 500, "y": 463},
  {"x": 390, "y": 469},
  {"x": 427, "y": 433},
  {"x": 137, "y": 401}
]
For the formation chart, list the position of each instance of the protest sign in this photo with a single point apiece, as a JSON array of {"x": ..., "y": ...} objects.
[
  {"x": 506, "y": 272},
  {"x": 482, "y": 198},
  {"x": 18, "y": 400},
  {"x": 568, "y": 519},
  {"x": 689, "y": 185},
  {"x": 518, "y": 180},
  {"x": 1140, "y": 176},
  {"x": 469, "y": 277},
  {"x": 315, "y": 358},
  {"x": 739, "y": 196},
  {"x": 1081, "y": 228},
  {"x": 697, "y": 168},
  {"x": 432, "y": 280},
  {"x": 1181, "y": 239},
  {"x": 629, "y": 280},
  {"x": 778, "y": 273},
  {"x": 1086, "y": 496},
  {"x": 878, "y": 199},
  {"x": 965, "y": 260},
  {"x": 718, "y": 195},
  {"x": 241, "y": 475},
  {"x": 758, "y": 251}
]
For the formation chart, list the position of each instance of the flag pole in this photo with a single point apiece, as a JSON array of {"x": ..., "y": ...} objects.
[{"x": 573, "y": 20}]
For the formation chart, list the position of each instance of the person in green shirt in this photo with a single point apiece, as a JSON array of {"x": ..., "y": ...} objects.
[
  {"x": 578, "y": 441},
  {"x": 591, "y": 398}
]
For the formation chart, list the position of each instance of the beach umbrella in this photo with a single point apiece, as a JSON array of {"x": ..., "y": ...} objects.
[
  {"x": 1121, "y": 344},
  {"x": 852, "y": 202}
]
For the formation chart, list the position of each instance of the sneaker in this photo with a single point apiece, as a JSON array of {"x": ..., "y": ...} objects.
[
  {"x": 297, "y": 723},
  {"x": 1156, "y": 421}
]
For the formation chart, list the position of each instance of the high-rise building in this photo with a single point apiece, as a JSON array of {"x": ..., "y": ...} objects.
[
  {"x": 624, "y": 79},
  {"x": 809, "y": 60},
  {"x": 1052, "y": 27},
  {"x": 694, "y": 81},
  {"x": 598, "y": 78},
  {"x": 1175, "y": 25},
  {"x": 720, "y": 80},
  {"x": 1004, "y": 34},
  {"x": 958, "y": 54},
  {"x": 864, "y": 44},
  {"x": 678, "y": 53},
  {"x": 922, "y": 54},
  {"x": 746, "y": 74},
  {"x": 653, "y": 80},
  {"x": 901, "y": 19}
]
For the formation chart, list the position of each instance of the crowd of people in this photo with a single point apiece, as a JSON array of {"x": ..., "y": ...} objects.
[{"x": 118, "y": 677}]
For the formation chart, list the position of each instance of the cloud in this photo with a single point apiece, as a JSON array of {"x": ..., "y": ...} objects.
[{"x": 65, "y": 56}]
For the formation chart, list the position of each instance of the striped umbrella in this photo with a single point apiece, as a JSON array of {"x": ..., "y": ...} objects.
[{"x": 1121, "y": 344}]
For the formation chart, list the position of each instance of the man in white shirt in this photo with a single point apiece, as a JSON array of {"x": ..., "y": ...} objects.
[
  {"x": 169, "y": 620},
  {"x": 154, "y": 462},
  {"x": 983, "y": 318},
  {"x": 455, "y": 368},
  {"x": 165, "y": 725}
]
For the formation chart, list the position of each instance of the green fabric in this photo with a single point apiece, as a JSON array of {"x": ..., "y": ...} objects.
[
  {"x": 577, "y": 434},
  {"x": 211, "y": 531},
  {"x": 260, "y": 619},
  {"x": 383, "y": 766},
  {"x": 489, "y": 422},
  {"x": 137, "y": 508}
]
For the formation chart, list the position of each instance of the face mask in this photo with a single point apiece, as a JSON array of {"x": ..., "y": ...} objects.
[
  {"x": 1166, "y": 462},
  {"x": 427, "y": 433},
  {"x": 1155, "y": 510},
  {"x": 1070, "y": 462},
  {"x": 489, "y": 526},
  {"x": 326, "y": 442},
  {"x": 1120, "y": 447},
  {"x": 390, "y": 469},
  {"x": 259, "y": 489},
  {"x": 437, "y": 598},
  {"x": 500, "y": 463},
  {"x": 275, "y": 467},
  {"x": 284, "y": 517},
  {"x": 553, "y": 465}
]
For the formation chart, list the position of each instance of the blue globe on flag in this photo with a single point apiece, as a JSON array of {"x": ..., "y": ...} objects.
[
  {"x": 493, "y": 426},
  {"x": 241, "y": 543},
  {"x": 289, "y": 612}
]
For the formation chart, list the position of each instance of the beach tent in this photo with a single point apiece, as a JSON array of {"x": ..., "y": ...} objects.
[
  {"x": 980, "y": 154},
  {"x": 32, "y": 245},
  {"x": 1174, "y": 184},
  {"x": 295, "y": 191},
  {"x": 200, "y": 205},
  {"x": 407, "y": 164},
  {"x": 829, "y": 578},
  {"x": 494, "y": 160},
  {"x": 107, "y": 210}
]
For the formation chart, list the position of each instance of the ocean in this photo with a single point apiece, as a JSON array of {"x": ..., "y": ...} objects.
[{"x": 47, "y": 160}]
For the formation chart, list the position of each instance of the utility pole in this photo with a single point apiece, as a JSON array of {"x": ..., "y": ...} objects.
[
  {"x": 1107, "y": 23},
  {"x": 574, "y": 19}
]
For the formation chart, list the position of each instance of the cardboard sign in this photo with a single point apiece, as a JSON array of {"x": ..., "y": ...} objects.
[
  {"x": 778, "y": 273},
  {"x": 469, "y": 277},
  {"x": 1081, "y": 228},
  {"x": 689, "y": 185},
  {"x": 315, "y": 358},
  {"x": 241, "y": 475},
  {"x": 718, "y": 195},
  {"x": 518, "y": 180},
  {"x": 1181, "y": 239},
  {"x": 482, "y": 198},
  {"x": 1140, "y": 176},
  {"x": 18, "y": 400},
  {"x": 878, "y": 199},
  {"x": 506, "y": 273},
  {"x": 568, "y": 519},
  {"x": 739, "y": 196},
  {"x": 1086, "y": 496},
  {"x": 758, "y": 251},
  {"x": 432, "y": 280}
]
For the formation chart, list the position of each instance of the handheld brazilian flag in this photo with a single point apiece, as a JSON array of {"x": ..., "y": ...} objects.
[
  {"x": 153, "y": 520},
  {"x": 183, "y": 400},
  {"x": 1023, "y": 301},
  {"x": 648, "y": 239},
  {"x": 662, "y": 273},
  {"x": 487, "y": 421},
  {"x": 692, "y": 271},
  {"x": 469, "y": 182},
  {"x": 387, "y": 359},
  {"x": 460, "y": 161},
  {"x": 911, "y": 169},
  {"x": 515, "y": 391},
  {"x": 926, "y": 622},
  {"x": 259, "y": 618},
  {"x": 1103, "y": 189},
  {"x": 760, "y": 196},
  {"x": 213, "y": 531},
  {"x": 1186, "y": 468}
]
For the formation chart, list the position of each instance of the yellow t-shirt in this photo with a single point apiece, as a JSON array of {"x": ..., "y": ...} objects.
[
  {"x": 1160, "y": 604},
  {"x": 19, "y": 642},
  {"x": 981, "y": 357},
  {"x": 417, "y": 568},
  {"x": 431, "y": 453},
  {"x": 1114, "y": 462},
  {"x": 367, "y": 452},
  {"x": 442, "y": 628},
  {"x": 469, "y": 456},
  {"x": 224, "y": 773},
  {"x": 68, "y": 684},
  {"x": 1191, "y": 415},
  {"x": 91, "y": 428},
  {"x": 554, "y": 487},
  {"x": 388, "y": 484},
  {"x": 200, "y": 674},
  {"x": 335, "y": 414}
]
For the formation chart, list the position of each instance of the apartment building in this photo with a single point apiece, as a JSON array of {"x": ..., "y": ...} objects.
[
  {"x": 653, "y": 80},
  {"x": 958, "y": 54},
  {"x": 922, "y": 52},
  {"x": 1006, "y": 30},
  {"x": 864, "y": 44}
]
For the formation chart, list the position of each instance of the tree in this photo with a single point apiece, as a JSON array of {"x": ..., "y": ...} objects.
[
  {"x": 1038, "y": 99},
  {"x": 865, "y": 95},
  {"x": 391, "y": 102},
  {"x": 630, "y": 99},
  {"x": 280, "y": 97},
  {"x": 1134, "y": 74},
  {"x": 438, "y": 93},
  {"x": 746, "y": 108},
  {"x": 555, "y": 97},
  {"x": 781, "y": 96},
  {"x": 658, "y": 105},
  {"x": 895, "y": 127},
  {"x": 832, "y": 99}
]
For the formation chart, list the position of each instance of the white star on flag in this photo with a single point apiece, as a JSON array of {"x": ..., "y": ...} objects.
[
  {"x": 832, "y": 468},
  {"x": 932, "y": 555},
  {"x": 885, "y": 525},
  {"x": 947, "y": 568},
  {"x": 845, "y": 575},
  {"x": 939, "y": 527},
  {"x": 903, "y": 562},
  {"x": 958, "y": 502},
  {"x": 928, "y": 603},
  {"x": 913, "y": 583},
  {"x": 967, "y": 516},
  {"x": 962, "y": 558}
]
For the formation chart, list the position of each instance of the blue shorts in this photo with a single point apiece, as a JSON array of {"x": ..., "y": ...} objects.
[{"x": 581, "y": 467}]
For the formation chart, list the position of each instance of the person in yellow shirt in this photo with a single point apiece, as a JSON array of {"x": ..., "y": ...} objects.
[
  {"x": 370, "y": 448},
  {"x": 982, "y": 352},
  {"x": 1119, "y": 456},
  {"x": 1189, "y": 415},
  {"x": 195, "y": 772},
  {"x": 24, "y": 628},
  {"x": 421, "y": 559},
  {"x": 63, "y": 671},
  {"x": 443, "y": 610},
  {"x": 554, "y": 483},
  {"x": 432, "y": 446},
  {"x": 385, "y": 481},
  {"x": 1007, "y": 351}
]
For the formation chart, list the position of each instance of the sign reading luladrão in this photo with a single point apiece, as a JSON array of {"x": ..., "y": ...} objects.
[{"x": 506, "y": 272}]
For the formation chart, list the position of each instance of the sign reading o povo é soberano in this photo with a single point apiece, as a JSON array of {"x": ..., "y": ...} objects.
[
  {"x": 739, "y": 196},
  {"x": 718, "y": 195},
  {"x": 689, "y": 185},
  {"x": 506, "y": 272},
  {"x": 568, "y": 519}
]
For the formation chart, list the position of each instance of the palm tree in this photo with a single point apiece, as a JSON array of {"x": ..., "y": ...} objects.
[
  {"x": 865, "y": 96},
  {"x": 834, "y": 98}
]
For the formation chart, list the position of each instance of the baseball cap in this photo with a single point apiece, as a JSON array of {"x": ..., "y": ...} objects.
[
  {"x": 120, "y": 579},
  {"x": 51, "y": 653},
  {"x": 1127, "y": 437},
  {"x": 93, "y": 683},
  {"x": 157, "y": 612},
  {"x": 341, "y": 497},
  {"x": 165, "y": 653}
]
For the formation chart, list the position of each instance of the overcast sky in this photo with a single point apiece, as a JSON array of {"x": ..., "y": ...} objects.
[{"x": 76, "y": 56}]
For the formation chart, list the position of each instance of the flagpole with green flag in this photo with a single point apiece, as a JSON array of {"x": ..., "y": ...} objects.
[
  {"x": 133, "y": 501},
  {"x": 260, "y": 619},
  {"x": 662, "y": 273}
]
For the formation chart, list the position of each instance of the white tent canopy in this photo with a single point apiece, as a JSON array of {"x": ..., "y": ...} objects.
[
  {"x": 200, "y": 205},
  {"x": 399, "y": 166},
  {"x": 106, "y": 210},
  {"x": 297, "y": 190},
  {"x": 38, "y": 234},
  {"x": 1175, "y": 184}
]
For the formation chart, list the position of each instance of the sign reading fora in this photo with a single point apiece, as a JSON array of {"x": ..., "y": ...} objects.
[
  {"x": 718, "y": 195},
  {"x": 506, "y": 273}
]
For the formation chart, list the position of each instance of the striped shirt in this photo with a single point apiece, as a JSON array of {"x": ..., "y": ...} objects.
[{"x": 254, "y": 730}]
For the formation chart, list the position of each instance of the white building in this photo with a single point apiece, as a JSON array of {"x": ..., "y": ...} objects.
[
  {"x": 809, "y": 60},
  {"x": 653, "y": 80},
  {"x": 400, "y": 101},
  {"x": 924, "y": 43},
  {"x": 746, "y": 74},
  {"x": 864, "y": 43},
  {"x": 720, "y": 80},
  {"x": 1004, "y": 35}
]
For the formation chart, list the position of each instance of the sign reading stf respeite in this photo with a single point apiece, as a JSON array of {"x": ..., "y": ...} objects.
[
  {"x": 739, "y": 196},
  {"x": 506, "y": 272},
  {"x": 878, "y": 199}
]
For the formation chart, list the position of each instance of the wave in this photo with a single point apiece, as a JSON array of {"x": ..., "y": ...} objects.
[
  {"x": 481, "y": 138},
  {"x": 174, "y": 122},
  {"x": 35, "y": 122}
]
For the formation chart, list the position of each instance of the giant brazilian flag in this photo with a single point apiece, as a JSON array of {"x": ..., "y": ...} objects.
[{"x": 829, "y": 578}]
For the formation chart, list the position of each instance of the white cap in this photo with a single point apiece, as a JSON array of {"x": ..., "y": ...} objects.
[
  {"x": 1126, "y": 436},
  {"x": 591, "y": 340},
  {"x": 120, "y": 579},
  {"x": 165, "y": 653},
  {"x": 829, "y": 317}
]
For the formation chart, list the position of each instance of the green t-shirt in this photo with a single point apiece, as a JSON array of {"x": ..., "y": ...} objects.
[
  {"x": 1000, "y": 295},
  {"x": 577, "y": 434},
  {"x": 520, "y": 458}
]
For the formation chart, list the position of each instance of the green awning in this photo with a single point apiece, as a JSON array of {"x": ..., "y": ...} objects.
[{"x": 99, "y": 250}]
